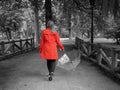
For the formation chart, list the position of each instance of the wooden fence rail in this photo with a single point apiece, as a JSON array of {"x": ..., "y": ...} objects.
[
  {"x": 106, "y": 57},
  {"x": 10, "y": 48}
]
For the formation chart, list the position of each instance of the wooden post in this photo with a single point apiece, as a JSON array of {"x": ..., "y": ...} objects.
[
  {"x": 114, "y": 60},
  {"x": 89, "y": 48},
  {"x": 76, "y": 42},
  {"x": 33, "y": 42},
  {"x": 99, "y": 57},
  {"x": 21, "y": 45},
  {"x": 13, "y": 47},
  {"x": 27, "y": 44},
  {"x": 2, "y": 47}
]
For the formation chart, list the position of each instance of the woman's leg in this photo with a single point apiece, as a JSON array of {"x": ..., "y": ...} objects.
[
  {"x": 51, "y": 67},
  {"x": 51, "y": 64}
]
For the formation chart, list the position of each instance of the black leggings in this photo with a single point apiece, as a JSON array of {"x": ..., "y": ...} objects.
[{"x": 51, "y": 65}]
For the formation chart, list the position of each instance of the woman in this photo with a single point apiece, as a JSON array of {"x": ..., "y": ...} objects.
[{"x": 48, "y": 47}]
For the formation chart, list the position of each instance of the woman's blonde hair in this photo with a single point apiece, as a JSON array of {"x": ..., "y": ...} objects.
[{"x": 50, "y": 23}]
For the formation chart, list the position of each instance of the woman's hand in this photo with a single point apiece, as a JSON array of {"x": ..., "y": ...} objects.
[{"x": 62, "y": 49}]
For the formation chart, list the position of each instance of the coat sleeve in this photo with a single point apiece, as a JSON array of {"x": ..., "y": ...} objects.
[
  {"x": 58, "y": 42},
  {"x": 41, "y": 43}
]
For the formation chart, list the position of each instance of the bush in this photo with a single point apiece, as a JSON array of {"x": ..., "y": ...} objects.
[{"x": 115, "y": 34}]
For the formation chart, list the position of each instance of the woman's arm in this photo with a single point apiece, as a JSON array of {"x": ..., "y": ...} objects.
[{"x": 58, "y": 42}]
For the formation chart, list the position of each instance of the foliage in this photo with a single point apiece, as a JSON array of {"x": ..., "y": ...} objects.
[
  {"x": 112, "y": 28},
  {"x": 10, "y": 5},
  {"x": 115, "y": 34},
  {"x": 102, "y": 10},
  {"x": 10, "y": 16},
  {"x": 106, "y": 6},
  {"x": 74, "y": 15},
  {"x": 10, "y": 22}
]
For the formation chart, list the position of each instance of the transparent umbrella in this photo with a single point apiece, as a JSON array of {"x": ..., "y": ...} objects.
[{"x": 74, "y": 60}]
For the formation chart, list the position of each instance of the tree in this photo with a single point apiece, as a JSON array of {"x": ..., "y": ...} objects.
[
  {"x": 10, "y": 22},
  {"x": 48, "y": 10},
  {"x": 10, "y": 16}
]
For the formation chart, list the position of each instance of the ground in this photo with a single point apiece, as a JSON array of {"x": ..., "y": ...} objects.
[{"x": 29, "y": 72}]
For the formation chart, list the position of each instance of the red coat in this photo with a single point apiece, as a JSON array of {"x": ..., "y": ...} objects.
[{"x": 48, "y": 42}]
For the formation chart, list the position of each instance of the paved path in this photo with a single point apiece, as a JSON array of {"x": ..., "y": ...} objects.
[{"x": 28, "y": 72}]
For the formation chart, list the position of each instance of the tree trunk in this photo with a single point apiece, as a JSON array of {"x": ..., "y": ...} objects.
[
  {"x": 37, "y": 22},
  {"x": 69, "y": 23},
  {"x": 10, "y": 36},
  {"x": 48, "y": 10},
  {"x": 88, "y": 32},
  {"x": 7, "y": 36}
]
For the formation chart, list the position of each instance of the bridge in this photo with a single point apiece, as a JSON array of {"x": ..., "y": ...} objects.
[{"x": 28, "y": 72}]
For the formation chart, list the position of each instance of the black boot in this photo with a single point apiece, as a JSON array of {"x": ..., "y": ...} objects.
[{"x": 50, "y": 76}]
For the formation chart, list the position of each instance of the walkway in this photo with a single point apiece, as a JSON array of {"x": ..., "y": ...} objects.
[{"x": 28, "y": 72}]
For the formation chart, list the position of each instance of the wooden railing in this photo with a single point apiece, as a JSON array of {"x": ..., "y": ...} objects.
[
  {"x": 106, "y": 56},
  {"x": 13, "y": 47}
]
